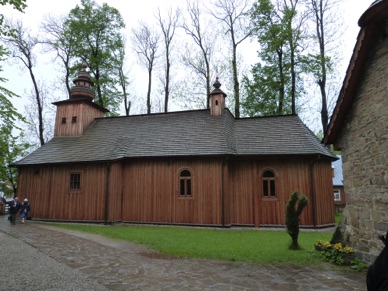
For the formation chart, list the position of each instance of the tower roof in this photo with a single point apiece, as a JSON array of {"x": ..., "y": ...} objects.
[
  {"x": 83, "y": 86},
  {"x": 217, "y": 89}
]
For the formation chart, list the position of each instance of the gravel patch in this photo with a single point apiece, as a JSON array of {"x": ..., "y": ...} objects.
[{"x": 23, "y": 267}]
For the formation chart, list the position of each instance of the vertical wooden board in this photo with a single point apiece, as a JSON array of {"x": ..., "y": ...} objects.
[
  {"x": 33, "y": 186},
  {"x": 148, "y": 191},
  {"x": 290, "y": 175},
  {"x": 70, "y": 205},
  {"x": 160, "y": 200},
  {"x": 134, "y": 189},
  {"x": 115, "y": 195},
  {"x": 244, "y": 184},
  {"x": 184, "y": 207},
  {"x": 49, "y": 192},
  {"x": 85, "y": 114},
  {"x": 228, "y": 210},
  {"x": 324, "y": 190},
  {"x": 212, "y": 193}
]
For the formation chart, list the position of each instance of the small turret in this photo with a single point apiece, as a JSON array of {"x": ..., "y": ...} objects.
[
  {"x": 83, "y": 86},
  {"x": 217, "y": 100}
]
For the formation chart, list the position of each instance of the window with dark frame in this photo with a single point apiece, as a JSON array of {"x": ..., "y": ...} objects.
[
  {"x": 75, "y": 181},
  {"x": 269, "y": 184},
  {"x": 74, "y": 119},
  {"x": 185, "y": 183},
  {"x": 63, "y": 120}
]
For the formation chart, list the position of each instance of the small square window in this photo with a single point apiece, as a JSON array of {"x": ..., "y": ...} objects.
[
  {"x": 74, "y": 119},
  {"x": 63, "y": 120},
  {"x": 75, "y": 181}
]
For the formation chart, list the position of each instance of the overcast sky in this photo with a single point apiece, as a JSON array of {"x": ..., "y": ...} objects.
[{"x": 133, "y": 11}]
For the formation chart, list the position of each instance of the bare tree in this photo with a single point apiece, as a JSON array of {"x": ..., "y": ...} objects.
[
  {"x": 195, "y": 27},
  {"x": 168, "y": 28},
  {"x": 59, "y": 41},
  {"x": 145, "y": 43},
  {"x": 233, "y": 14},
  {"x": 123, "y": 81},
  {"x": 293, "y": 20},
  {"x": 33, "y": 117},
  {"x": 21, "y": 46},
  {"x": 324, "y": 19}
]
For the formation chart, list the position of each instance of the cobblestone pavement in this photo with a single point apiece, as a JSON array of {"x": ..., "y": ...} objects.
[{"x": 120, "y": 265}]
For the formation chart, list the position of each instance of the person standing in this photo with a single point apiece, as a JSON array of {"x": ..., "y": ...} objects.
[
  {"x": 3, "y": 204},
  {"x": 25, "y": 208},
  {"x": 14, "y": 208}
]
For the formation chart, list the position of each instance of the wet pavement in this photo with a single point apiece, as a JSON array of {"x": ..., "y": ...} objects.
[{"x": 120, "y": 265}]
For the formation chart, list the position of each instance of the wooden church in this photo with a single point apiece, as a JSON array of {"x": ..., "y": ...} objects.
[{"x": 199, "y": 167}]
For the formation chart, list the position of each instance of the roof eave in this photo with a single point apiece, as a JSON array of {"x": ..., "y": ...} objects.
[
  {"x": 375, "y": 13},
  {"x": 369, "y": 26},
  {"x": 81, "y": 100},
  {"x": 350, "y": 83},
  {"x": 221, "y": 155}
]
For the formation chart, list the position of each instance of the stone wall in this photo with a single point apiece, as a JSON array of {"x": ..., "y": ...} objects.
[{"x": 364, "y": 144}]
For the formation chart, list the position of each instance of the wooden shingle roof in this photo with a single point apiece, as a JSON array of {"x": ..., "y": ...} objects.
[{"x": 181, "y": 134}]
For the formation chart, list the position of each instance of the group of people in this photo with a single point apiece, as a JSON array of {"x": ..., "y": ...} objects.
[{"x": 16, "y": 207}]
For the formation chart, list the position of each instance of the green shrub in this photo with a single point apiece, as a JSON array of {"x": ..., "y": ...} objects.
[{"x": 295, "y": 207}]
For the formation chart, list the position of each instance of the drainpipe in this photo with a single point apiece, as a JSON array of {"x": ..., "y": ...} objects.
[
  {"x": 223, "y": 191},
  {"x": 107, "y": 172},
  {"x": 312, "y": 182}
]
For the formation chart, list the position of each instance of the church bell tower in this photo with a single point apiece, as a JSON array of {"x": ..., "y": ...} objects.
[{"x": 76, "y": 114}]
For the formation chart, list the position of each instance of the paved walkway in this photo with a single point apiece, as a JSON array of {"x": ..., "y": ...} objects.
[{"x": 119, "y": 265}]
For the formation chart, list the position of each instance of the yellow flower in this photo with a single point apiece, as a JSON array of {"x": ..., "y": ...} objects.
[
  {"x": 349, "y": 250},
  {"x": 338, "y": 246},
  {"x": 327, "y": 245}
]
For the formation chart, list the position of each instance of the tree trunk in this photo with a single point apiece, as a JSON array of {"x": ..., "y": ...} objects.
[
  {"x": 39, "y": 104},
  {"x": 293, "y": 79},
  {"x": 319, "y": 20},
  {"x": 281, "y": 81},
  {"x": 167, "y": 85},
  {"x": 236, "y": 85},
  {"x": 149, "y": 91},
  {"x": 294, "y": 245}
]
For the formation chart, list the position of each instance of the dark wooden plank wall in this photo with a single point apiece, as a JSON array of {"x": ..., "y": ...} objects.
[
  {"x": 151, "y": 192},
  {"x": 51, "y": 198}
]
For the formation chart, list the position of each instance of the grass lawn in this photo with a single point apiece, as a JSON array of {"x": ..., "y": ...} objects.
[
  {"x": 258, "y": 246},
  {"x": 338, "y": 218}
]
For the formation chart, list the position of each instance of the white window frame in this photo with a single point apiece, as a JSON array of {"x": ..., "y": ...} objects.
[{"x": 337, "y": 195}]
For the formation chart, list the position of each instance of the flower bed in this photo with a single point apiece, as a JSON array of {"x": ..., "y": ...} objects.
[{"x": 336, "y": 253}]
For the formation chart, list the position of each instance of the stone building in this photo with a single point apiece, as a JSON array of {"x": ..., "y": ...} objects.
[{"x": 359, "y": 128}]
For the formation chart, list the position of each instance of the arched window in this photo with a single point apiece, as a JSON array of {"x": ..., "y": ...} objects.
[
  {"x": 269, "y": 184},
  {"x": 185, "y": 183}
]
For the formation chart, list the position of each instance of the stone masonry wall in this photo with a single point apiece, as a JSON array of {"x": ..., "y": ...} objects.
[{"x": 364, "y": 145}]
